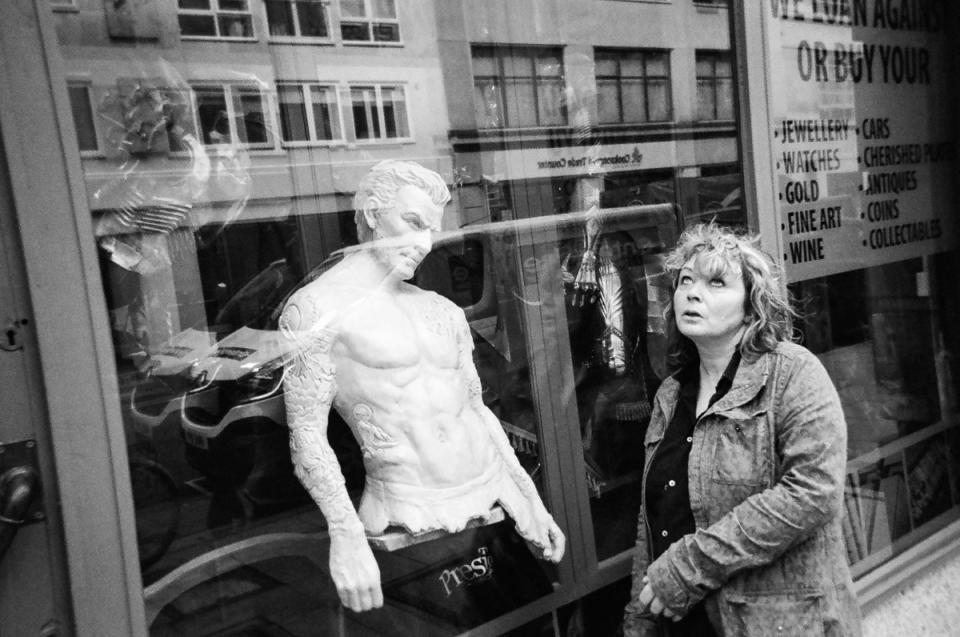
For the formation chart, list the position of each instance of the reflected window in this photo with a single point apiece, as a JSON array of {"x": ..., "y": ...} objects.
[
  {"x": 298, "y": 18},
  {"x": 714, "y": 85},
  {"x": 369, "y": 21},
  {"x": 632, "y": 86},
  {"x": 232, "y": 113},
  {"x": 308, "y": 112},
  {"x": 379, "y": 112},
  {"x": 83, "y": 117},
  {"x": 215, "y": 18},
  {"x": 516, "y": 87}
]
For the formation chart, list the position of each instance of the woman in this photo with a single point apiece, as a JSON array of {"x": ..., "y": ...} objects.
[{"x": 739, "y": 530}]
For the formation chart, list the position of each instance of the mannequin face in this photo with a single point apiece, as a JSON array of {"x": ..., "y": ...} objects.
[
  {"x": 709, "y": 306},
  {"x": 403, "y": 232}
]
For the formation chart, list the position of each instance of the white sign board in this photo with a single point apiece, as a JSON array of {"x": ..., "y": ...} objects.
[{"x": 864, "y": 132}]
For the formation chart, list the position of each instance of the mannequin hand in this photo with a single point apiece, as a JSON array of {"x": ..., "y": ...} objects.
[
  {"x": 553, "y": 551},
  {"x": 649, "y": 600},
  {"x": 355, "y": 573}
]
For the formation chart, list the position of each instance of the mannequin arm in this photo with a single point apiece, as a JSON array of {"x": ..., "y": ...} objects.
[
  {"x": 309, "y": 387},
  {"x": 535, "y": 525}
]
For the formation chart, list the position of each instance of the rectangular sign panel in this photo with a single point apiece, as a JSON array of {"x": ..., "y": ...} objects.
[{"x": 864, "y": 132}]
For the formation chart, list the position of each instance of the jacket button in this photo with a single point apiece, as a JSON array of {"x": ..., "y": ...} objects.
[
  {"x": 689, "y": 438},
  {"x": 739, "y": 429},
  {"x": 664, "y": 533},
  {"x": 672, "y": 483}
]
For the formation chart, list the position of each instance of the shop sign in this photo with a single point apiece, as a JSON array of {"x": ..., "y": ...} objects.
[
  {"x": 864, "y": 132},
  {"x": 533, "y": 163}
]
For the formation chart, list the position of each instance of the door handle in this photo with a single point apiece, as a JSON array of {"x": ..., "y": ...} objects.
[{"x": 18, "y": 488}]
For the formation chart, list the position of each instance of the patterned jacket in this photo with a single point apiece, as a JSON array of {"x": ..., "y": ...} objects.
[{"x": 766, "y": 474}]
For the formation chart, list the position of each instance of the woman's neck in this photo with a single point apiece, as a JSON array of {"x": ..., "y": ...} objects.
[{"x": 714, "y": 357}]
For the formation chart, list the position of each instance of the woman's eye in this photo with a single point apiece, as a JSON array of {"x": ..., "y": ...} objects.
[
  {"x": 415, "y": 221},
  {"x": 717, "y": 282},
  {"x": 685, "y": 279}
]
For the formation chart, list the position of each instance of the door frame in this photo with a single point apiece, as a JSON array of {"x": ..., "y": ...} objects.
[{"x": 70, "y": 327}]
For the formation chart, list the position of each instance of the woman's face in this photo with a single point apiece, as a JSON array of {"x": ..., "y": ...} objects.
[{"x": 709, "y": 306}]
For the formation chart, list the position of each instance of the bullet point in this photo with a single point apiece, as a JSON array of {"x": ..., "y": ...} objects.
[
  {"x": 863, "y": 216},
  {"x": 864, "y": 243},
  {"x": 781, "y": 196},
  {"x": 774, "y": 133},
  {"x": 778, "y": 165},
  {"x": 784, "y": 256},
  {"x": 859, "y": 159},
  {"x": 783, "y": 226},
  {"x": 857, "y": 129},
  {"x": 859, "y": 186}
]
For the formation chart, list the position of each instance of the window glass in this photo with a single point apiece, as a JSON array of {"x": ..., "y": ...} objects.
[
  {"x": 224, "y": 184},
  {"x": 83, "y": 117},
  {"x": 293, "y": 114}
]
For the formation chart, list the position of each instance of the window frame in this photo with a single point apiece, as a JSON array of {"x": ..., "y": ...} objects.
[
  {"x": 618, "y": 54},
  {"x": 232, "y": 91},
  {"x": 371, "y": 22},
  {"x": 215, "y": 12},
  {"x": 307, "y": 94},
  {"x": 298, "y": 36},
  {"x": 714, "y": 80},
  {"x": 501, "y": 80},
  {"x": 378, "y": 91}
]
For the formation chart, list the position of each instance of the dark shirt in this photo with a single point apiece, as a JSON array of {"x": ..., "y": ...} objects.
[{"x": 668, "y": 489}]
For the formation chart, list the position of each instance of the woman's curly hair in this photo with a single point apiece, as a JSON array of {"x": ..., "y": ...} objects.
[{"x": 767, "y": 303}]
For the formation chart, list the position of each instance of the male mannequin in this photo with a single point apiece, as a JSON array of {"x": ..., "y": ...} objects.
[{"x": 395, "y": 361}]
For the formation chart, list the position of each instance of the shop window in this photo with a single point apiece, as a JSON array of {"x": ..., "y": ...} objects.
[
  {"x": 379, "y": 112},
  {"x": 518, "y": 87},
  {"x": 298, "y": 18},
  {"x": 83, "y": 117},
  {"x": 632, "y": 86},
  {"x": 229, "y": 19},
  {"x": 233, "y": 113},
  {"x": 309, "y": 112},
  {"x": 714, "y": 85},
  {"x": 369, "y": 21}
]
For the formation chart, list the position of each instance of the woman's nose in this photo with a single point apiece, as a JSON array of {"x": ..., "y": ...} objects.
[{"x": 693, "y": 291}]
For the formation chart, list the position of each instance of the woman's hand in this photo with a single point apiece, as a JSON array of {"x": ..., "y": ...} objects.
[{"x": 650, "y": 601}]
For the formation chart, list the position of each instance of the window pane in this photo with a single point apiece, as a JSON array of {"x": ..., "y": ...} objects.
[
  {"x": 83, "y": 117},
  {"x": 517, "y": 65},
  {"x": 352, "y": 9},
  {"x": 356, "y": 31},
  {"x": 233, "y": 5},
  {"x": 313, "y": 20},
  {"x": 293, "y": 114},
  {"x": 236, "y": 26},
  {"x": 605, "y": 65},
  {"x": 488, "y": 104},
  {"x": 704, "y": 66},
  {"x": 658, "y": 100},
  {"x": 631, "y": 65},
  {"x": 386, "y": 32},
  {"x": 365, "y": 119},
  {"x": 634, "y": 107},
  {"x": 384, "y": 9},
  {"x": 325, "y": 116},
  {"x": 724, "y": 99},
  {"x": 212, "y": 110},
  {"x": 658, "y": 64},
  {"x": 193, "y": 4},
  {"x": 280, "y": 17},
  {"x": 252, "y": 124},
  {"x": 395, "y": 112},
  {"x": 197, "y": 25},
  {"x": 521, "y": 103},
  {"x": 549, "y": 65},
  {"x": 484, "y": 62},
  {"x": 706, "y": 107},
  {"x": 550, "y": 96},
  {"x": 608, "y": 102},
  {"x": 723, "y": 67}
]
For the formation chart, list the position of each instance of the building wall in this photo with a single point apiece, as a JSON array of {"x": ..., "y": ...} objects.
[{"x": 926, "y": 606}]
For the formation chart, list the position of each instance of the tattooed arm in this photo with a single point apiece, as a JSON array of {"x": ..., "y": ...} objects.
[{"x": 310, "y": 385}]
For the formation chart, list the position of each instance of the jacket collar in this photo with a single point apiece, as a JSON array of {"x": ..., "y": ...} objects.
[{"x": 750, "y": 379}]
